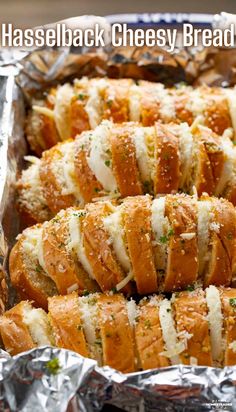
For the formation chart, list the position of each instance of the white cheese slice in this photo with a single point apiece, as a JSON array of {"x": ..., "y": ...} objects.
[{"x": 99, "y": 159}]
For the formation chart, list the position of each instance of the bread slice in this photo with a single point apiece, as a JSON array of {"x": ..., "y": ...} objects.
[
  {"x": 167, "y": 174},
  {"x": 124, "y": 161},
  {"x": 116, "y": 333},
  {"x": 223, "y": 247},
  {"x": 190, "y": 311},
  {"x": 60, "y": 263},
  {"x": 228, "y": 301},
  {"x": 66, "y": 323},
  {"x": 106, "y": 269},
  {"x": 137, "y": 226},
  {"x": 27, "y": 275},
  {"x": 90, "y": 187},
  {"x": 148, "y": 335},
  {"x": 182, "y": 262},
  {"x": 53, "y": 180},
  {"x": 116, "y": 100},
  {"x": 23, "y": 327}
]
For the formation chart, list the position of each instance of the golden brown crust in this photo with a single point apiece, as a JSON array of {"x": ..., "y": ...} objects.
[
  {"x": 167, "y": 173},
  {"x": 78, "y": 116},
  {"x": 181, "y": 98},
  {"x": 217, "y": 114},
  {"x": 182, "y": 214},
  {"x": 191, "y": 317},
  {"x": 29, "y": 282},
  {"x": 223, "y": 244},
  {"x": 149, "y": 339},
  {"x": 228, "y": 300},
  {"x": 62, "y": 268},
  {"x": 106, "y": 269},
  {"x": 65, "y": 319},
  {"x": 124, "y": 162},
  {"x": 210, "y": 161},
  {"x": 116, "y": 333},
  {"x": 51, "y": 187},
  {"x": 116, "y": 100},
  {"x": 90, "y": 187},
  {"x": 137, "y": 225},
  {"x": 15, "y": 334}
]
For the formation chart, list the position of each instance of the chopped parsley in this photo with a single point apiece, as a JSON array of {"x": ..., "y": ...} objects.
[
  {"x": 79, "y": 214},
  {"x": 98, "y": 342},
  {"x": 230, "y": 236},
  {"x": 79, "y": 327},
  {"x": 190, "y": 288},
  {"x": 107, "y": 163},
  {"x": 232, "y": 302},
  {"x": 109, "y": 103},
  {"x": 166, "y": 238},
  {"x": 81, "y": 96},
  {"x": 53, "y": 366},
  {"x": 114, "y": 290},
  {"x": 85, "y": 292},
  {"x": 147, "y": 324},
  {"x": 96, "y": 189}
]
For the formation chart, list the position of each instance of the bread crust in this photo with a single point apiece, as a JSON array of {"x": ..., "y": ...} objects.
[
  {"x": 116, "y": 333},
  {"x": 137, "y": 225},
  {"x": 124, "y": 162},
  {"x": 51, "y": 187},
  {"x": 62, "y": 268},
  {"x": 167, "y": 172},
  {"x": 15, "y": 334},
  {"x": 210, "y": 161},
  {"x": 191, "y": 316},
  {"x": 228, "y": 301},
  {"x": 116, "y": 100},
  {"x": 65, "y": 319},
  {"x": 29, "y": 283},
  {"x": 148, "y": 337},
  {"x": 223, "y": 246},
  {"x": 106, "y": 269},
  {"x": 90, "y": 187},
  {"x": 182, "y": 254}
]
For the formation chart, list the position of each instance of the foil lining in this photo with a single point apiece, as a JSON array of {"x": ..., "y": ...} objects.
[{"x": 27, "y": 381}]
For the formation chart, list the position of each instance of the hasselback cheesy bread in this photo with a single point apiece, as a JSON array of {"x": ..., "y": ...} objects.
[
  {"x": 192, "y": 327},
  {"x": 115, "y": 161},
  {"x": 70, "y": 109},
  {"x": 141, "y": 245}
]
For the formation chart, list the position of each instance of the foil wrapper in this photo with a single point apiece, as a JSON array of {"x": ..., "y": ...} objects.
[{"x": 51, "y": 379}]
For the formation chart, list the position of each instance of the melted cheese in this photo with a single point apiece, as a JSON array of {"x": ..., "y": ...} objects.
[
  {"x": 89, "y": 315},
  {"x": 131, "y": 311},
  {"x": 231, "y": 98},
  {"x": 76, "y": 243},
  {"x": 94, "y": 103},
  {"x": 99, "y": 159},
  {"x": 113, "y": 224},
  {"x": 170, "y": 337},
  {"x": 215, "y": 319},
  {"x": 44, "y": 110},
  {"x": 167, "y": 104},
  {"x": 134, "y": 103},
  {"x": 71, "y": 185},
  {"x": 160, "y": 227},
  {"x": 229, "y": 168},
  {"x": 186, "y": 150},
  {"x": 204, "y": 208},
  {"x": 37, "y": 322},
  {"x": 142, "y": 153},
  {"x": 62, "y": 110}
]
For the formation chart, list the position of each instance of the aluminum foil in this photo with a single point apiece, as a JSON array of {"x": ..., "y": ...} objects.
[{"x": 30, "y": 381}]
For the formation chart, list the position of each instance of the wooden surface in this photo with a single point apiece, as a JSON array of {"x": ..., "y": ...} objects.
[{"x": 29, "y": 13}]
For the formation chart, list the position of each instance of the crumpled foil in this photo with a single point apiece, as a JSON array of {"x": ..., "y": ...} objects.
[{"x": 27, "y": 382}]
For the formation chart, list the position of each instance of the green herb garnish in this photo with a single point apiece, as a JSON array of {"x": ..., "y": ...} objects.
[
  {"x": 165, "y": 238},
  {"x": 107, "y": 163},
  {"x": 232, "y": 302},
  {"x": 53, "y": 366}
]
